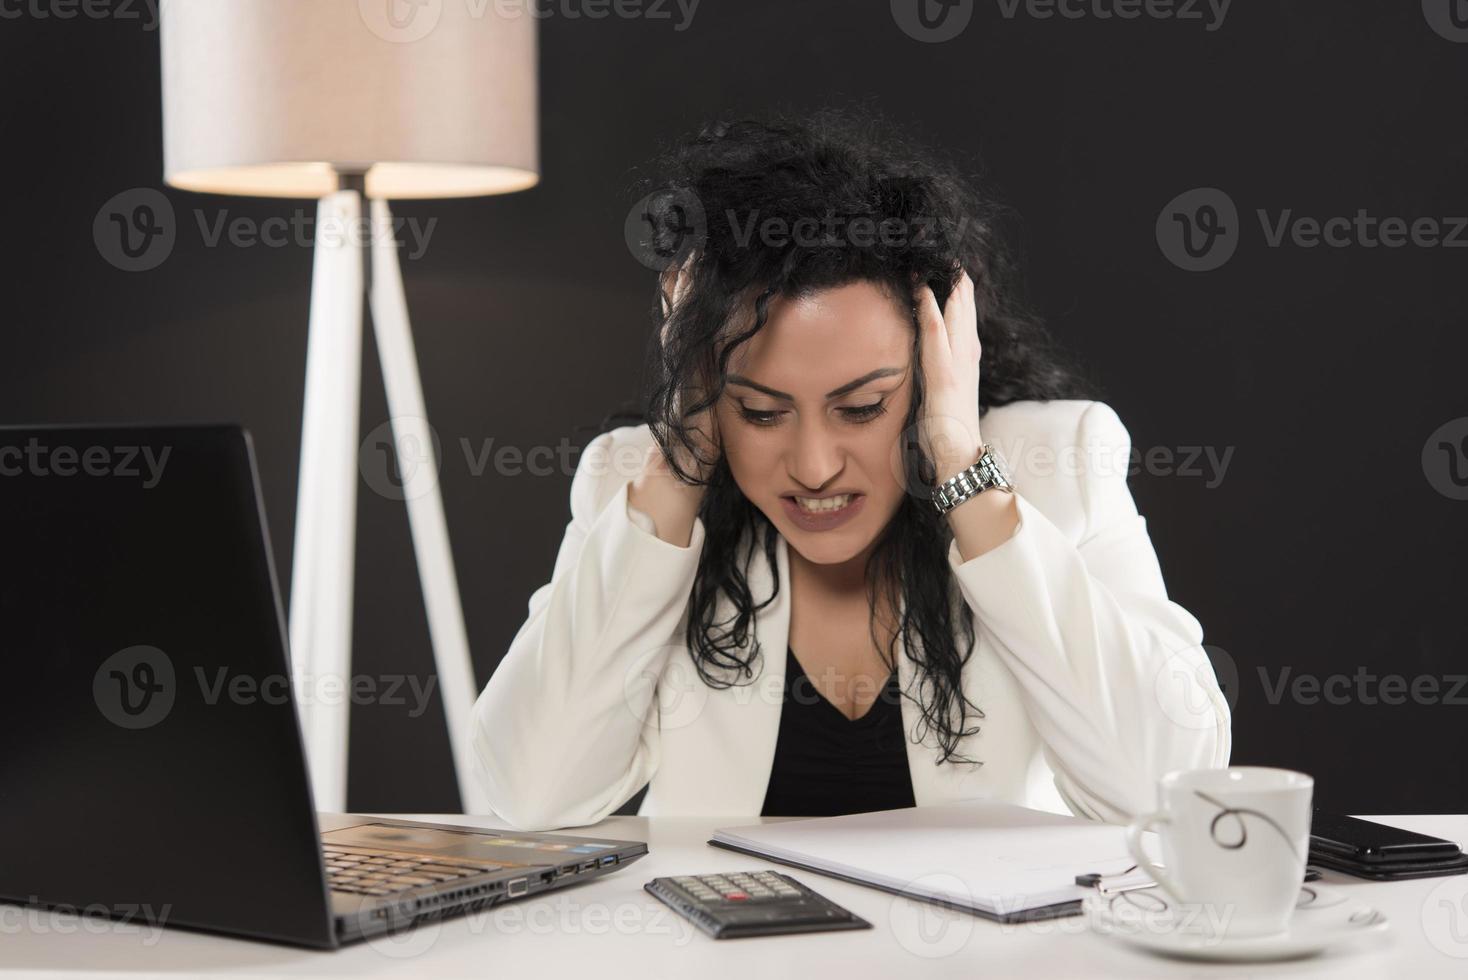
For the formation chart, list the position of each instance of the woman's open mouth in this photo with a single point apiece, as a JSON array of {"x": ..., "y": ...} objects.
[{"x": 810, "y": 514}]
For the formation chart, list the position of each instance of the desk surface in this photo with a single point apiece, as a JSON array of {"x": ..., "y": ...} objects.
[{"x": 612, "y": 928}]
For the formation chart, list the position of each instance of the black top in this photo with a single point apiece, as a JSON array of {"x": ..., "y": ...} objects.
[{"x": 827, "y": 764}]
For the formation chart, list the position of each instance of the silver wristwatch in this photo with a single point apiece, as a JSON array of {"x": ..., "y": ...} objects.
[{"x": 988, "y": 472}]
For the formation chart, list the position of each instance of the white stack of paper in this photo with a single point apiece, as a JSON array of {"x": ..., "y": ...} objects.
[{"x": 994, "y": 859}]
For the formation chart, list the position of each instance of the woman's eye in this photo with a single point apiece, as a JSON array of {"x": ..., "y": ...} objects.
[
  {"x": 865, "y": 413},
  {"x": 758, "y": 418},
  {"x": 861, "y": 413}
]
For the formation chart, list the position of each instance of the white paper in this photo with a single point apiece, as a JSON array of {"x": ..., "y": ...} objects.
[{"x": 979, "y": 854}]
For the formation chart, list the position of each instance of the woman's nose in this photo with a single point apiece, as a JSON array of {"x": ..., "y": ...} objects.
[{"x": 815, "y": 455}]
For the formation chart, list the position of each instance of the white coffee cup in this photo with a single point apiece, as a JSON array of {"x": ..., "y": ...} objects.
[{"x": 1234, "y": 842}]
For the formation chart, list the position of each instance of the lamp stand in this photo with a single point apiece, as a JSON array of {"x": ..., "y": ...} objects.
[{"x": 346, "y": 271}]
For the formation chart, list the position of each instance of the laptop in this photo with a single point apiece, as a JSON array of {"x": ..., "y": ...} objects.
[{"x": 153, "y": 763}]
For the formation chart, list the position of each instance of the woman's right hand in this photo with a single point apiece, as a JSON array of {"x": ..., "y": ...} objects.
[
  {"x": 658, "y": 491},
  {"x": 703, "y": 425}
]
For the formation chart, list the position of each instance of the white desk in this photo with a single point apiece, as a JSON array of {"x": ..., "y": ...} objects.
[{"x": 612, "y": 928}]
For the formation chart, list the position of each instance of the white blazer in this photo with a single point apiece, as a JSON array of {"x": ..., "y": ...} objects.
[{"x": 1092, "y": 682}]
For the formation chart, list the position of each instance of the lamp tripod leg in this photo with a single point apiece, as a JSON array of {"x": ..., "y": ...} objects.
[
  {"x": 323, "y": 558},
  {"x": 419, "y": 463}
]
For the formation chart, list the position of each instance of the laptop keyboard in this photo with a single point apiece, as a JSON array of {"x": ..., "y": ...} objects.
[{"x": 364, "y": 871}]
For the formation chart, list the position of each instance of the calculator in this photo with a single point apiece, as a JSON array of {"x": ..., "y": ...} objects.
[{"x": 751, "y": 903}]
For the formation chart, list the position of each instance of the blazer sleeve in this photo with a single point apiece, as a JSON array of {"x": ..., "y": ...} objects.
[
  {"x": 1113, "y": 673},
  {"x": 566, "y": 729}
]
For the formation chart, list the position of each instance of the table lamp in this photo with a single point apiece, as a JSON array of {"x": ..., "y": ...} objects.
[{"x": 346, "y": 100}]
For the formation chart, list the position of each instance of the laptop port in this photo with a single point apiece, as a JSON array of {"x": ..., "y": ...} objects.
[
  {"x": 548, "y": 876},
  {"x": 517, "y": 887},
  {"x": 588, "y": 865},
  {"x": 609, "y": 859}
]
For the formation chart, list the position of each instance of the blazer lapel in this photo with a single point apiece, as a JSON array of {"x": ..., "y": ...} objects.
[
  {"x": 741, "y": 723},
  {"x": 746, "y": 717}
]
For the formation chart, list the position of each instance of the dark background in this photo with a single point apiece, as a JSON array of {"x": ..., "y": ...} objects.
[{"x": 1324, "y": 550}]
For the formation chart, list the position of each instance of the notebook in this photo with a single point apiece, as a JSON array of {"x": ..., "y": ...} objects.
[{"x": 997, "y": 860}]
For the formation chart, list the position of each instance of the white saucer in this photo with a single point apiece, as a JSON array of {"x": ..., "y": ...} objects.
[{"x": 1148, "y": 918}]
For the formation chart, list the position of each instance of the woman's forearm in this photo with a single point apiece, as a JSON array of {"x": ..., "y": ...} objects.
[{"x": 983, "y": 523}]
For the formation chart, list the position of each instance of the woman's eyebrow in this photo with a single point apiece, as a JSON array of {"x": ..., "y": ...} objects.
[{"x": 743, "y": 382}]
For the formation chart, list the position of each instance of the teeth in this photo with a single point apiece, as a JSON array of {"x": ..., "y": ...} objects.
[{"x": 817, "y": 506}]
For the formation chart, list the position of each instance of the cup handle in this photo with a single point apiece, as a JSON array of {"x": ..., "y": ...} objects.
[{"x": 1134, "y": 832}]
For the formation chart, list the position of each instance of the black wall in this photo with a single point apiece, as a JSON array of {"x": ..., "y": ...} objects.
[{"x": 1333, "y": 544}]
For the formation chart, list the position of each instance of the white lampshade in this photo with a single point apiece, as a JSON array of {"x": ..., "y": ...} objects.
[{"x": 433, "y": 98}]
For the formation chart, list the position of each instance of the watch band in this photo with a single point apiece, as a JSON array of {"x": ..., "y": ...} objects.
[{"x": 988, "y": 472}]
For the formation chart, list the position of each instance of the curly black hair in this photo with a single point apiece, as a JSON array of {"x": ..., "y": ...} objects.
[{"x": 845, "y": 171}]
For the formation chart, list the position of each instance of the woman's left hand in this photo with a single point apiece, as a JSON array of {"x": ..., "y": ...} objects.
[{"x": 949, "y": 427}]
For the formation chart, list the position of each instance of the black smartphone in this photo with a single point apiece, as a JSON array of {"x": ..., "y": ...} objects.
[
  {"x": 1365, "y": 842},
  {"x": 1390, "y": 870}
]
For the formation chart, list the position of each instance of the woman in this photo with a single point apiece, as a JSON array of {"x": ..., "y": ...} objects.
[{"x": 760, "y": 607}]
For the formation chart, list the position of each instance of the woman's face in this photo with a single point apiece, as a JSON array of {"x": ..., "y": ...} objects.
[{"x": 813, "y": 408}]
